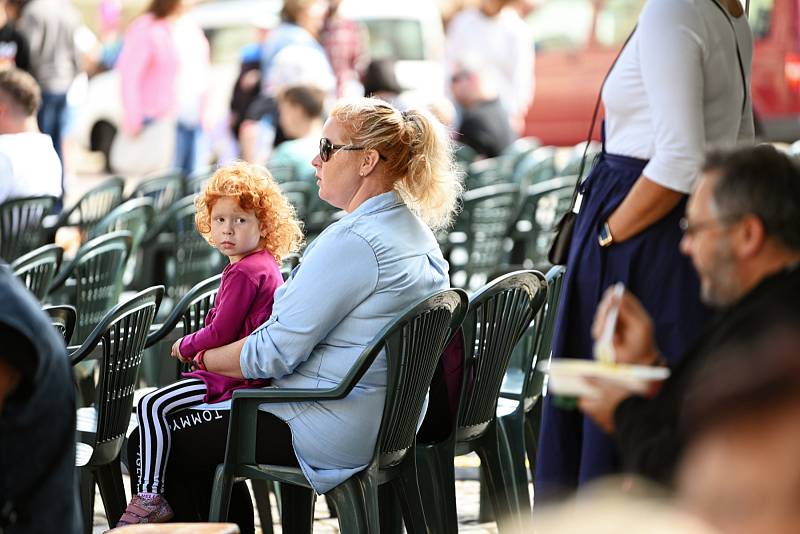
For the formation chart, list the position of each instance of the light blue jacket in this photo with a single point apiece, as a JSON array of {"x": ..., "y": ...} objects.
[{"x": 353, "y": 280}]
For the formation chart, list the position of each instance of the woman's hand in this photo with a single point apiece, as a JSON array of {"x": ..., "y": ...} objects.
[
  {"x": 634, "y": 341},
  {"x": 646, "y": 203},
  {"x": 601, "y": 407}
]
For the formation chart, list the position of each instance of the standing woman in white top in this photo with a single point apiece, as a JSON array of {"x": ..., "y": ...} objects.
[{"x": 680, "y": 86}]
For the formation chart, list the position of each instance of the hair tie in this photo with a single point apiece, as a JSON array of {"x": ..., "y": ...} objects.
[{"x": 405, "y": 115}]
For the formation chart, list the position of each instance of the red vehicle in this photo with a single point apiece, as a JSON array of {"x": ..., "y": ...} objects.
[{"x": 576, "y": 41}]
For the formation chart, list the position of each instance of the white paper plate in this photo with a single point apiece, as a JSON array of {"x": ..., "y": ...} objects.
[{"x": 568, "y": 376}]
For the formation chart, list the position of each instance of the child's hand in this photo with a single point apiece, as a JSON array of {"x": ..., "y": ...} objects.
[{"x": 176, "y": 351}]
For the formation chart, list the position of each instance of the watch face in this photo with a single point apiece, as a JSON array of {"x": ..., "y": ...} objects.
[{"x": 604, "y": 236}]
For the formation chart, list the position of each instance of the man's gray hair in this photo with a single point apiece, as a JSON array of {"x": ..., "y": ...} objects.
[{"x": 761, "y": 181}]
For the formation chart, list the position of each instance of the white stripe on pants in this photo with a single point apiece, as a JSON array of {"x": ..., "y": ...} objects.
[{"x": 156, "y": 436}]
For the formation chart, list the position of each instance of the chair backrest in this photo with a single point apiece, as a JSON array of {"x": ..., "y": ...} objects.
[
  {"x": 135, "y": 215},
  {"x": 573, "y": 164},
  {"x": 413, "y": 344},
  {"x": 541, "y": 209},
  {"x": 191, "y": 310},
  {"x": 21, "y": 228},
  {"x": 196, "y": 182},
  {"x": 282, "y": 173},
  {"x": 489, "y": 171},
  {"x": 541, "y": 345},
  {"x": 64, "y": 318},
  {"x": 163, "y": 190},
  {"x": 94, "y": 204},
  {"x": 37, "y": 268},
  {"x": 498, "y": 316},
  {"x": 193, "y": 259},
  {"x": 122, "y": 332},
  {"x": 486, "y": 218},
  {"x": 97, "y": 271},
  {"x": 301, "y": 195},
  {"x": 537, "y": 166}
]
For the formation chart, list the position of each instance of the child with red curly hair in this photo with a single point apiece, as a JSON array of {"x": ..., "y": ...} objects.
[{"x": 243, "y": 214}]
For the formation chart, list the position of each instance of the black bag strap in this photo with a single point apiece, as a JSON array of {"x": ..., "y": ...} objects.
[
  {"x": 738, "y": 52},
  {"x": 582, "y": 166}
]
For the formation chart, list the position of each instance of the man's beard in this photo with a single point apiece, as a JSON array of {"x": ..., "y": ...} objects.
[{"x": 723, "y": 289}]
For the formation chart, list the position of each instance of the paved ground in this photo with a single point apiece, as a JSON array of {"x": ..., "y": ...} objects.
[{"x": 467, "y": 500}]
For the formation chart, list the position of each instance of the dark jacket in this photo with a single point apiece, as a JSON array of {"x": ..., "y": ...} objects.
[
  {"x": 37, "y": 424},
  {"x": 648, "y": 430}
]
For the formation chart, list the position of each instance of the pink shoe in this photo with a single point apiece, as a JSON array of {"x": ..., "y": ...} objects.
[{"x": 146, "y": 510}]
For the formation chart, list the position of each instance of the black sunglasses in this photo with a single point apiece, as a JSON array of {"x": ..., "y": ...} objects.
[{"x": 327, "y": 148}]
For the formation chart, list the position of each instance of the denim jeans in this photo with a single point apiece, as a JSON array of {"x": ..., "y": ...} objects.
[
  {"x": 52, "y": 118},
  {"x": 186, "y": 140}
]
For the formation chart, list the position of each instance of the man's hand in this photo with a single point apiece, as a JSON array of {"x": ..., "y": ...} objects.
[
  {"x": 633, "y": 340},
  {"x": 176, "y": 352},
  {"x": 601, "y": 407},
  {"x": 9, "y": 380}
]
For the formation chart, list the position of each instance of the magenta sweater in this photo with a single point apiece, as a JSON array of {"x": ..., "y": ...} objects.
[{"x": 243, "y": 303}]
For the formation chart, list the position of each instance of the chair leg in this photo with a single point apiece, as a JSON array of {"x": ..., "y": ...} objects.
[
  {"x": 112, "y": 490},
  {"x": 511, "y": 432},
  {"x": 87, "y": 498},
  {"x": 437, "y": 486},
  {"x": 501, "y": 492},
  {"x": 356, "y": 503},
  {"x": 533, "y": 420},
  {"x": 220, "y": 496},
  {"x": 391, "y": 517},
  {"x": 406, "y": 488},
  {"x": 297, "y": 509},
  {"x": 261, "y": 494}
]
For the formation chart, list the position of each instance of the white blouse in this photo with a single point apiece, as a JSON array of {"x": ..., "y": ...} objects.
[{"x": 677, "y": 90}]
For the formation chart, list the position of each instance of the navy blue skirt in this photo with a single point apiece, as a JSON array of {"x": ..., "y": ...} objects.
[{"x": 572, "y": 449}]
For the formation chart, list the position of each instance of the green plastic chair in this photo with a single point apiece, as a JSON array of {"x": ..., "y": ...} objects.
[
  {"x": 37, "y": 268},
  {"x": 464, "y": 155},
  {"x": 480, "y": 241},
  {"x": 196, "y": 182},
  {"x": 63, "y": 318},
  {"x": 498, "y": 316},
  {"x": 163, "y": 190},
  {"x": 103, "y": 427},
  {"x": 489, "y": 171},
  {"x": 413, "y": 343},
  {"x": 21, "y": 225},
  {"x": 543, "y": 205},
  {"x": 92, "y": 281},
  {"x": 136, "y": 216},
  {"x": 518, "y": 408},
  {"x": 301, "y": 195},
  {"x": 93, "y": 205},
  {"x": 191, "y": 259},
  {"x": 574, "y": 162},
  {"x": 537, "y": 166},
  {"x": 282, "y": 173}
]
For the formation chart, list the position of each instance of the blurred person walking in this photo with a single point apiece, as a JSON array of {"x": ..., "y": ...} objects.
[
  {"x": 14, "y": 47},
  {"x": 153, "y": 68},
  {"x": 495, "y": 36},
  {"x": 345, "y": 43},
  {"x": 484, "y": 123},
  {"x": 50, "y": 26},
  {"x": 679, "y": 86}
]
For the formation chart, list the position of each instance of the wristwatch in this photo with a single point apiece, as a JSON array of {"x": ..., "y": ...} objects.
[{"x": 604, "y": 236}]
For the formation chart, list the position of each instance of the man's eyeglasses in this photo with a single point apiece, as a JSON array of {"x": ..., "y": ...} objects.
[
  {"x": 327, "y": 148},
  {"x": 458, "y": 76},
  {"x": 690, "y": 229}
]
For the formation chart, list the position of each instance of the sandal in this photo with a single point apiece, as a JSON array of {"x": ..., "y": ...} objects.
[{"x": 146, "y": 510}]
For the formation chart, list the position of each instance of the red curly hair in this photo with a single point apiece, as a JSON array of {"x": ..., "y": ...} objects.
[{"x": 254, "y": 190}]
